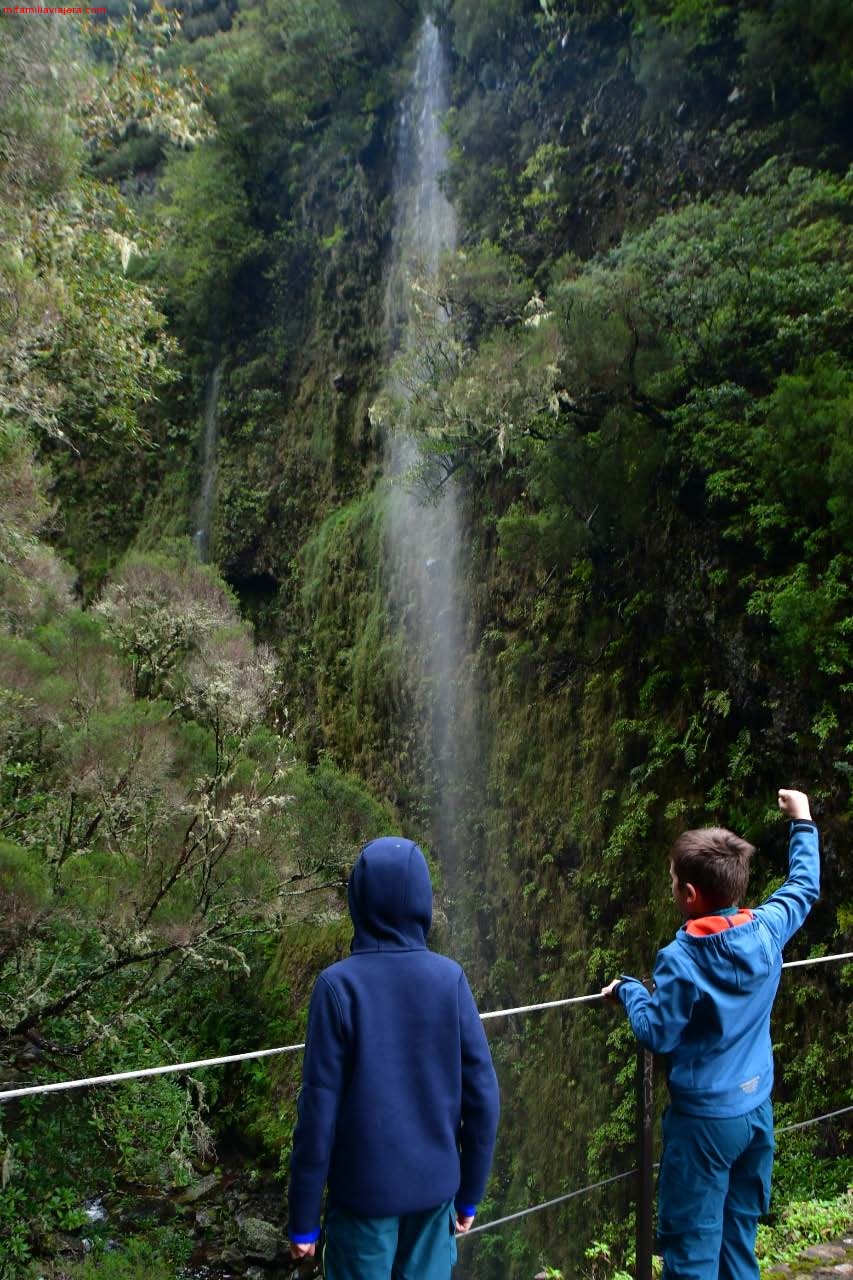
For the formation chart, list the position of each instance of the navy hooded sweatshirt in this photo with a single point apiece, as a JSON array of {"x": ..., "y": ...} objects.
[
  {"x": 714, "y": 990},
  {"x": 399, "y": 1103}
]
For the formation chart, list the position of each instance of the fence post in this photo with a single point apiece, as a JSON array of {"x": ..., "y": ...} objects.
[{"x": 645, "y": 1180}]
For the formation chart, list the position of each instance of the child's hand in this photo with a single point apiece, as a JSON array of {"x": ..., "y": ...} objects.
[
  {"x": 609, "y": 992},
  {"x": 302, "y": 1250},
  {"x": 795, "y": 804}
]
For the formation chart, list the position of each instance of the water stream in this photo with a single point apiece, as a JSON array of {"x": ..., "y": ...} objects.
[
  {"x": 210, "y": 441},
  {"x": 424, "y": 533}
]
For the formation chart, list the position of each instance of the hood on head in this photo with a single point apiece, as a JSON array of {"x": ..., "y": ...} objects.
[{"x": 390, "y": 895}]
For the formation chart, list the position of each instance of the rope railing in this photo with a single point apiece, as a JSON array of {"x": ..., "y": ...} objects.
[
  {"x": 547, "y": 1204},
  {"x": 536, "y": 1008},
  {"x": 7, "y": 1095},
  {"x": 643, "y": 1172},
  {"x": 619, "y": 1177},
  {"x": 795, "y": 964},
  {"x": 802, "y": 1124}
]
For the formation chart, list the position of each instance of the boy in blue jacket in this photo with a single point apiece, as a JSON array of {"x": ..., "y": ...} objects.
[
  {"x": 710, "y": 1014},
  {"x": 398, "y": 1110}
]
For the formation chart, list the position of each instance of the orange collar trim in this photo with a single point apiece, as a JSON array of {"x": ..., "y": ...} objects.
[{"x": 707, "y": 925}]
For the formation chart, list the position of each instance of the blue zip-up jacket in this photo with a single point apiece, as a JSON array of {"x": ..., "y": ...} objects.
[
  {"x": 710, "y": 1010},
  {"x": 399, "y": 1104}
]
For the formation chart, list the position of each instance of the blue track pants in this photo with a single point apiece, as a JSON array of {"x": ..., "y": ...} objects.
[
  {"x": 415, "y": 1246},
  {"x": 714, "y": 1185}
]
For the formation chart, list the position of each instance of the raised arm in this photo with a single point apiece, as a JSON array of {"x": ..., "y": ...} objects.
[{"x": 786, "y": 909}]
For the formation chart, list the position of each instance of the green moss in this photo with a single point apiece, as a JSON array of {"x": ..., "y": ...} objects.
[{"x": 358, "y": 664}]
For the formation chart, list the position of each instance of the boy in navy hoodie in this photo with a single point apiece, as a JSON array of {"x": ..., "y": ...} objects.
[
  {"x": 398, "y": 1110},
  {"x": 710, "y": 1014}
]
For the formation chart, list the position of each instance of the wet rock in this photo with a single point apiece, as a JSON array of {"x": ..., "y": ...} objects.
[
  {"x": 65, "y": 1245},
  {"x": 199, "y": 1189},
  {"x": 259, "y": 1239},
  {"x": 140, "y": 1212},
  {"x": 823, "y": 1273},
  {"x": 826, "y": 1252}
]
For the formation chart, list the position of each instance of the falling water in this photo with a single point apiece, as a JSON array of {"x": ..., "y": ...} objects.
[
  {"x": 424, "y": 535},
  {"x": 210, "y": 440},
  {"x": 424, "y": 223}
]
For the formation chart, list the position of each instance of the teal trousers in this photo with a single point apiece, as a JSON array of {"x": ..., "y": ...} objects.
[
  {"x": 416, "y": 1246},
  {"x": 714, "y": 1184}
]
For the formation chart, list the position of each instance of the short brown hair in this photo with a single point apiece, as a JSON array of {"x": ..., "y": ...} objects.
[{"x": 715, "y": 861}]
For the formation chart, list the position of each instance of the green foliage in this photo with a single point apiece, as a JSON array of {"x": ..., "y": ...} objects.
[
  {"x": 58, "y": 1151},
  {"x": 153, "y": 827},
  {"x": 599, "y": 1262},
  {"x": 783, "y": 46},
  {"x": 803, "y": 1170},
  {"x": 801, "y": 1224},
  {"x": 788, "y": 44},
  {"x": 483, "y": 289},
  {"x": 82, "y": 344},
  {"x": 687, "y": 354},
  {"x": 102, "y": 380},
  {"x": 136, "y": 1259},
  {"x": 34, "y": 583},
  {"x": 484, "y": 30},
  {"x": 211, "y": 238},
  {"x": 150, "y": 834},
  {"x": 24, "y": 883},
  {"x": 131, "y": 90},
  {"x": 361, "y": 670},
  {"x": 333, "y": 815}
]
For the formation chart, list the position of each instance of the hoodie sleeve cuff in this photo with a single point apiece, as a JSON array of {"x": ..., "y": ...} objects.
[
  {"x": 304, "y": 1237},
  {"x": 466, "y": 1210}
]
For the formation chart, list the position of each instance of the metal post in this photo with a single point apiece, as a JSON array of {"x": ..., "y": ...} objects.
[{"x": 645, "y": 1179}]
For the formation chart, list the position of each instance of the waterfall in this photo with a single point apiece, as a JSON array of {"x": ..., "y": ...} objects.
[
  {"x": 423, "y": 534},
  {"x": 210, "y": 440}
]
